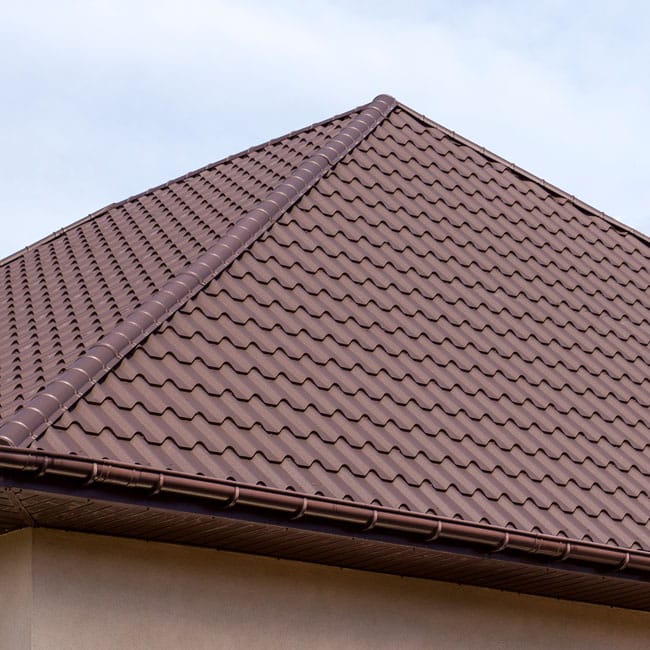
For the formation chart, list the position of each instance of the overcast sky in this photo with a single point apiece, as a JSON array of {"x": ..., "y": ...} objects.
[{"x": 101, "y": 100}]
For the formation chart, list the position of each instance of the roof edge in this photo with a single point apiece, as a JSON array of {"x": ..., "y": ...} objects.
[
  {"x": 294, "y": 506},
  {"x": 549, "y": 187},
  {"x": 25, "y": 426}
]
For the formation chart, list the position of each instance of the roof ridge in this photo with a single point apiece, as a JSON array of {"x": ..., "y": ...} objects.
[
  {"x": 97, "y": 213},
  {"x": 549, "y": 187},
  {"x": 49, "y": 403}
]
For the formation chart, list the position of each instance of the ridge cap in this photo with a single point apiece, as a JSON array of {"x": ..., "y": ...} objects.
[
  {"x": 25, "y": 425},
  {"x": 549, "y": 187}
]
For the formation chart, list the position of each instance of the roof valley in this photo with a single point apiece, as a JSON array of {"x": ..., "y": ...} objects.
[{"x": 25, "y": 426}]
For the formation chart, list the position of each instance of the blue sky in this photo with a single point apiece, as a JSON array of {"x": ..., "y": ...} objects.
[{"x": 101, "y": 100}]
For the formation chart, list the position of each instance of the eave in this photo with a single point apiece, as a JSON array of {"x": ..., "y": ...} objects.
[{"x": 99, "y": 496}]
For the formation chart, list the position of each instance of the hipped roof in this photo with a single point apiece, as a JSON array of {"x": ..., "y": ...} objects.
[{"x": 371, "y": 310}]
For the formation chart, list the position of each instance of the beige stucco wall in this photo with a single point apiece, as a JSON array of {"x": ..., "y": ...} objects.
[
  {"x": 100, "y": 593},
  {"x": 16, "y": 590}
]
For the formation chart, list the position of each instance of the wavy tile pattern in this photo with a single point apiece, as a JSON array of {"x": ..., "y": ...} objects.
[
  {"x": 426, "y": 329},
  {"x": 61, "y": 295}
]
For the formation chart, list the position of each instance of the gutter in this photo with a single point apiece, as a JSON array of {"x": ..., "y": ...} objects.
[{"x": 295, "y": 506}]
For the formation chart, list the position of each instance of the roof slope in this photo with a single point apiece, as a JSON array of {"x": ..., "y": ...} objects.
[
  {"x": 428, "y": 329},
  {"x": 62, "y": 294}
]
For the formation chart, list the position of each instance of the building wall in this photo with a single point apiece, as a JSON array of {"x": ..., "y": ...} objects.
[
  {"x": 16, "y": 590},
  {"x": 102, "y": 592}
]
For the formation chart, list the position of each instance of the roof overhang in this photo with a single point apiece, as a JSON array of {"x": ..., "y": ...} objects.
[{"x": 86, "y": 495}]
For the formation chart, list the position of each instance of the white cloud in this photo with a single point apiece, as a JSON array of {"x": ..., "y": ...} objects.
[{"x": 107, "y": 98}]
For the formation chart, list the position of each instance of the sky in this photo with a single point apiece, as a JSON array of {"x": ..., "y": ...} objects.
[{"x": 101, "y": 100}]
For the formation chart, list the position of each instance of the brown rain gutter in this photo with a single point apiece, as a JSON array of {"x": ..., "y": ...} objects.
[
  {"x": 25, "y": 426},
  {"x": 229, "y": 494}
]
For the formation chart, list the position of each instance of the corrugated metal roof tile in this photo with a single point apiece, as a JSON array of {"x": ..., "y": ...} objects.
[{"x": 425, "y": 329}]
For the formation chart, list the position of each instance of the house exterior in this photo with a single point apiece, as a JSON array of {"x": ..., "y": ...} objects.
[{"x": 365, "y": 385}]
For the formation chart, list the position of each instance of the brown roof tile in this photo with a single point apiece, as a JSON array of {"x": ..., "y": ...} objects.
[
  {"x": 62, "y": 294},
  {"x": 427, "y": 328}
]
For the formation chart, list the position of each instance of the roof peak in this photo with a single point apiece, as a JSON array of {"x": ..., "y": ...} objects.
[
  {"x": 47, "y": 405},
  {"x": 385, "y": 97}
]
